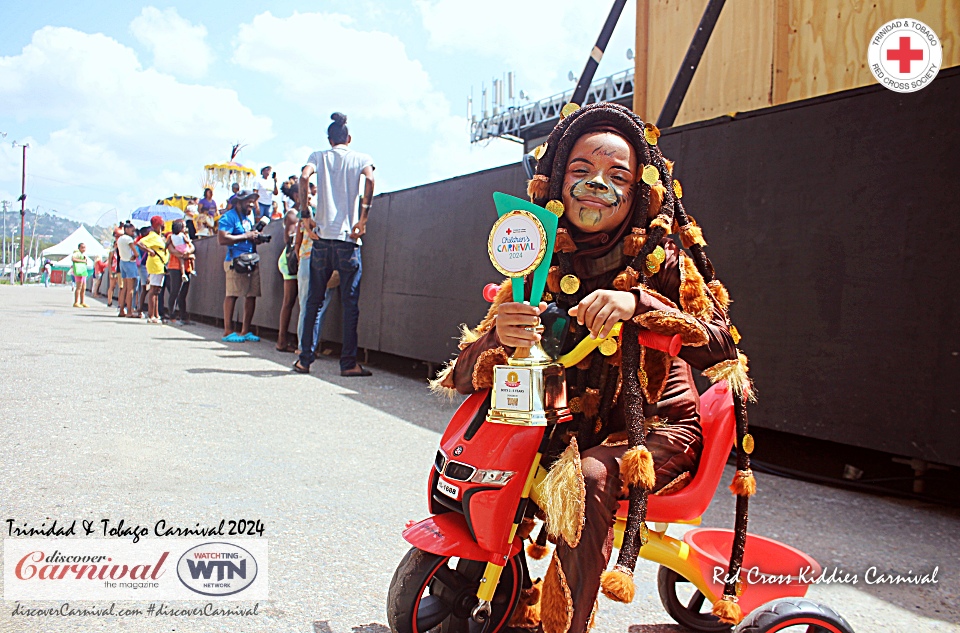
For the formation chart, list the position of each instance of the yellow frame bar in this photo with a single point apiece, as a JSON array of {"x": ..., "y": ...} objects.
[{"x": 669, "y": 552}]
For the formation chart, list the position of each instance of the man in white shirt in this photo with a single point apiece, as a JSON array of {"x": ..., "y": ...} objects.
[
  {"x": 339, "y": 224},
  {"x": 266, "y": 189}
]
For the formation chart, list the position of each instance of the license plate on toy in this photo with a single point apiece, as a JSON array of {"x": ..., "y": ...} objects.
[{"x": 448, "y": 489}]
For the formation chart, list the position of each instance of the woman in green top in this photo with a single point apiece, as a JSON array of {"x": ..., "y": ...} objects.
[{"x": 80, "y": 273}]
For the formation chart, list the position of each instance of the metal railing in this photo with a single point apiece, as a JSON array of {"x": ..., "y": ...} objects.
[{"x": 512, "y": 122}]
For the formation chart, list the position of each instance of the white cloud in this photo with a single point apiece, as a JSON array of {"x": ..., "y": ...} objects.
[
  {"x": 326, "y": 64},
  {"x": 178, "y": 46},
  {"x": 119, "y": 130},
  {"x": 559, "y": 37}
]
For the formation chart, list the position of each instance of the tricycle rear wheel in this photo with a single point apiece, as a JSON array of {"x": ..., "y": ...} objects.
[{"x": 687, "y": 610}]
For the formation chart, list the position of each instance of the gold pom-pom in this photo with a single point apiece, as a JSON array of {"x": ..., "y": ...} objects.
[
  {"x": 727, "y": 610},
  {"x": 677, "y": 189},
  {"x": 636, "y": 468},
  {"x": 564, "y": 243},
  {"x": 569, "y": 284},
  {"x": 539, "y": 151},
  {"x": 617, "y": 584},
  {"x": 553, "y": 279},
  {"x": 539, "y": 187},
  {"x": 650, "y": 175},
  {"x": 568, "y": 109},
  {"x": 626, "y": 280},
  {"x": 651, "y": 133},
  {"x": 634, "y": 242},
  {"x": 744, "y": 484},
  {"x": 555, "y": 207},
  {"x": 590, "y": 402}
]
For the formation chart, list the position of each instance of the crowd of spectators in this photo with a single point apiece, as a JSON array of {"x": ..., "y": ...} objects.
[{"x": 323, "y": 223}]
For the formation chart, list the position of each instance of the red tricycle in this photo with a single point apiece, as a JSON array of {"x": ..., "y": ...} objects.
[{"x": 467, "y": 567}]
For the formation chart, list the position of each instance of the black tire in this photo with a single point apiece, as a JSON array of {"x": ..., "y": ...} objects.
[
  {"x": 778, "y": 615},
  {"x": 687, "y": 613},
  {"x": 427, "y": 594}
]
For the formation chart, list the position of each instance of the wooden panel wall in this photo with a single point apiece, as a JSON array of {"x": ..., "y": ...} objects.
[
  {"x": 768, "y": 52},
  {"x": 734, "y": 73},
  {"x": 827, "y": 41}
]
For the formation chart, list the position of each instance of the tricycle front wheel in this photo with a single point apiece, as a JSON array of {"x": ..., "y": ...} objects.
[{"x": 431, "y": 593}]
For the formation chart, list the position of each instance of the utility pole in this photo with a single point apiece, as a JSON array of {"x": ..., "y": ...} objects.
[{"x": 23, "y": 204}]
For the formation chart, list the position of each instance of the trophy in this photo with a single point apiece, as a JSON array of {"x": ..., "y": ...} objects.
[{"x": 530, "y": 390}]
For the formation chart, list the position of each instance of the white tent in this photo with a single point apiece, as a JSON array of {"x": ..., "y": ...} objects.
[
  {"x": 67, "y": 246},
  {"x": 67, "y": 262}
]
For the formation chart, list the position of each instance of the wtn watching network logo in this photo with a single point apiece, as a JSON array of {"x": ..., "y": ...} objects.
[
  {"x": 217, "y": 569},
  {"x": 97, "y": 569}
]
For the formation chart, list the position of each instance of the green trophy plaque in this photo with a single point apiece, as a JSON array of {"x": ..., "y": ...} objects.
[{"x": 530, "y": 389}]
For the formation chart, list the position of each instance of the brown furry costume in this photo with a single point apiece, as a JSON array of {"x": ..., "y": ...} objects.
[{"x": 641, "y": 394}]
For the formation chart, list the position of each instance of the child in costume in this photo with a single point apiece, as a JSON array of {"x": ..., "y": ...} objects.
[{"x": 636, "y": 428}]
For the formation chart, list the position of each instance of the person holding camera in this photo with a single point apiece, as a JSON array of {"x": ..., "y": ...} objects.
[
  {"x": 240, "y": 235},
  {"x": 266, "y": 190}
]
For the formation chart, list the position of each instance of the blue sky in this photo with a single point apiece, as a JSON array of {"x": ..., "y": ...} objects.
[{"x": 123, "y": 103}]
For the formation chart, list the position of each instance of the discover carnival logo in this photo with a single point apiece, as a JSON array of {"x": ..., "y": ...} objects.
[
  {"x": 905, "y": 55},
  {"x": 96, "y": 569}
]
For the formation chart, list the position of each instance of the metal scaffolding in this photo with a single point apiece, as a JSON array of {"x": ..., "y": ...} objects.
[{"x": 538, "y": 118}]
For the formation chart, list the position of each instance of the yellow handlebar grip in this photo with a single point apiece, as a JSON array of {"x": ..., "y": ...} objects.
[{"x": 584, "y": 347}]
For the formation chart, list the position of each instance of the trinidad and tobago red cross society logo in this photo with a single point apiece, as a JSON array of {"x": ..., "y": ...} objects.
[{"x": 905, "y": 55}]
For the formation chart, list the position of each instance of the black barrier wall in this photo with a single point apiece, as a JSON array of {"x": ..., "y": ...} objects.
[{"x": 833, "y": 222}]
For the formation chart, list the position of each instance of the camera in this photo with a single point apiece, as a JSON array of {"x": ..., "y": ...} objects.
[{"x": 262, "y": 224}]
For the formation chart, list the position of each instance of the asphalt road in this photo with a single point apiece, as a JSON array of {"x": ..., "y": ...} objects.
[{"x": 115, "y": 418}]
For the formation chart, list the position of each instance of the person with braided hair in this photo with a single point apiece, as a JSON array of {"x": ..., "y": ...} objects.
[{"x": 636, "y": 428}]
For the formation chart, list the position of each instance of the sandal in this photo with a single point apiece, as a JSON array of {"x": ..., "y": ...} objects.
[
  {"x": 287, "y": 347},
  {"x": 233, "y": 337},
  {"x": 250, "y": 336},
  {"x": 300, "y": 369},
  {"x": 356, "y": 371}
]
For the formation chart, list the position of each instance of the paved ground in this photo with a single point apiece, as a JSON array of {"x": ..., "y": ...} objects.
[{"x": 171, "y": 423}]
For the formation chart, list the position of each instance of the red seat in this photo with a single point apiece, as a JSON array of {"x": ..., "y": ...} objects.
[{"x": 719, "y": 432}]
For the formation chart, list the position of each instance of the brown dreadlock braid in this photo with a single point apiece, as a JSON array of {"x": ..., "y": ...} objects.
[{"x": 647, "y": 232}]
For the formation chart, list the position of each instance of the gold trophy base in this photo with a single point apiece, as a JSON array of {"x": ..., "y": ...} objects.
[{"x": 529, "y": 390}]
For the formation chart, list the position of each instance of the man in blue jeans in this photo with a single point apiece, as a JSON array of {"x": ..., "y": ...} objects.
[{"x": 339, "y": 224}]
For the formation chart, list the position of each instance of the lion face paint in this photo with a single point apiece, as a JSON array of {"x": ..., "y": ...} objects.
[{"x": 599, "y": 182}]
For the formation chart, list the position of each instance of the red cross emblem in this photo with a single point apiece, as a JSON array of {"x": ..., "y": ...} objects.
[
  {"x": 509, "y": 231},
  {"x": 905, "y": 55}
]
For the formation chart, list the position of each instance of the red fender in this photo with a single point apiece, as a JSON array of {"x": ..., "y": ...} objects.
[{"x": 448, "y": 535}]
